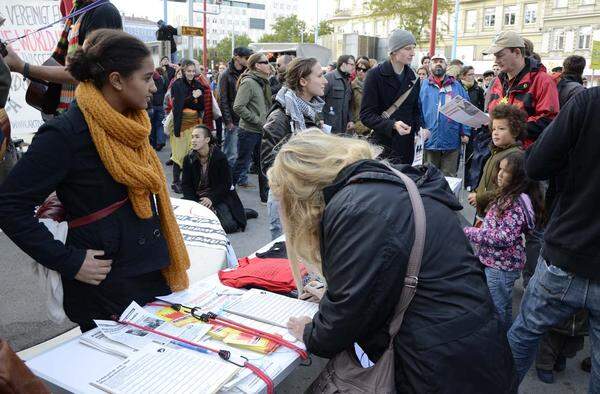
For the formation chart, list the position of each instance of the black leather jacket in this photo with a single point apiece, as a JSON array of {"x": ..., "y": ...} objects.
[
  {"x": 227, "y": 92},
  {"x": 277, "y": 130}
]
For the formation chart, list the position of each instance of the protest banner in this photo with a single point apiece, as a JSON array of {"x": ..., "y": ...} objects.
[{"x": 23, "y": 17}]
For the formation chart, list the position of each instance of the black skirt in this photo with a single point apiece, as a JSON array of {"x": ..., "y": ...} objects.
[{"x": 84, "y": 302}]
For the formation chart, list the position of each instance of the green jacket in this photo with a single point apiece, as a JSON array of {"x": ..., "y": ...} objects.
[
  {"x": 487, "y": 184},
  {"x": 252, "y": 101}
]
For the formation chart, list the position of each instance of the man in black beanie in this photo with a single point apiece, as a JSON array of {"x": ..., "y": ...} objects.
[{"x": 390, "y": 104}]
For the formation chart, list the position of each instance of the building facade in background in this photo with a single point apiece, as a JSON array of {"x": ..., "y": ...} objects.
[
  {"x": 353, "y": 16},
  {"x": 253, "y": 18},
  {"x": 557, "y": 28}
]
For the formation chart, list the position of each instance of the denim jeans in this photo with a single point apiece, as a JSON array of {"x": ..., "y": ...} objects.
[
  {"x": 247, "y": 142},
  {"x": 551, "y": 297},
  {"x": 157, "y": 134},
  {"x": 230, "y": 145},
  {"x": 274, "y": 222},
  {"x": 501, "y": 284}
]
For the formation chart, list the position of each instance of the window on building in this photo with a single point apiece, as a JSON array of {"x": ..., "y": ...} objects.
[
  {"x": 587, "y": 2},
  {"x": 530, "y": 14},
  {"x": 561, "y": 3},
  {"x": 256, "y": 23},
  {"x": 510, "y": 15},
  {"x": 558, "y": 43},
  {"x": 256, "y": 6},
  {"x": 471, "y": 20},
  {"x": 585, "y": 38},
  {"x": 489, "y": 17}
]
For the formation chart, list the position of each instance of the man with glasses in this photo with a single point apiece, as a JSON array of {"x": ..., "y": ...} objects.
[
  {"x": 278, "y": 79},
  {"x": 338, "y": 94},
  {"x": 390, "y": 104},
  {"x": 362, "y": 66}
]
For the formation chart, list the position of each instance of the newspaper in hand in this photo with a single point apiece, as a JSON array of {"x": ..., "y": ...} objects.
[
  {"x": 462, "y": 111},
  {"x": 419, "y": 149}
]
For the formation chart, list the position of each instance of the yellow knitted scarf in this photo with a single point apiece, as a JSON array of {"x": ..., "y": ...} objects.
[{"x": 122, "y": 143}]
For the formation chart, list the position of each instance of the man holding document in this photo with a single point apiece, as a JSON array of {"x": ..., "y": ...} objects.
[{"x": 447, "y": 135}]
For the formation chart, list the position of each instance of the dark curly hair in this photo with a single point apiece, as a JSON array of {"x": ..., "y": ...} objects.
[
  {"x": 520, "y": 183},
  {"x": 517, "y": 119}
]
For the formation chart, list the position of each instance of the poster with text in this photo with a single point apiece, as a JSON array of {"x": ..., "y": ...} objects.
[{"x": 22, "y": 17}]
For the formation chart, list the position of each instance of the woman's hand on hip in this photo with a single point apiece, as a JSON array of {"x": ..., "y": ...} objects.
[
  {"x": 93, "y": 270},
  {"x": 206, "y": 202},
  {"x": 296, "y": 326}
]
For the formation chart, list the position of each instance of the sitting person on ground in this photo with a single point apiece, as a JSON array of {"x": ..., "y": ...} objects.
[
  {"x": 350, "y": 217},
  {"x": 508, "y": 127},
  {"x": 206, "y": 179},
  {"x": 514, "y": 210}
]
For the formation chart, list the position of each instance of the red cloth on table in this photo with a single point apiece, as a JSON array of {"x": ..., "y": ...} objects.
[{"x": 271, "y": 274}]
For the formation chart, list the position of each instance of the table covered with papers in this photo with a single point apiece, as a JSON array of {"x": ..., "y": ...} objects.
[{"x": 112, "y": 356}]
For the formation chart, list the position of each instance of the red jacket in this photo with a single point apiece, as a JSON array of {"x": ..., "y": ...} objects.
[{"x": 534, "y": 91}]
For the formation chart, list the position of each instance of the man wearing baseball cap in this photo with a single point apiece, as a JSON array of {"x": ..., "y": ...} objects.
[
  {"x": 390, "y": 104},
  {"x": 523, "y": 82},
  {"x": 443, "y": 147}
]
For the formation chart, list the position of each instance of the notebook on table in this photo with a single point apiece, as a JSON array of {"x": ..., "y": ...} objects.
[{"x": 271, "y": 308}]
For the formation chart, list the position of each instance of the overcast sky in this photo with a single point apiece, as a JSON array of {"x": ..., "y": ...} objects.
[{"x": 153, "y": 9}]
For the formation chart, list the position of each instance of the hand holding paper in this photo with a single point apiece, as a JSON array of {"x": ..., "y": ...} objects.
[{"x": 462, "y": 111}]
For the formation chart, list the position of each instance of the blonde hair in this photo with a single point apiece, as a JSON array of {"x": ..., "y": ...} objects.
[{"x": 304, "y": 166}]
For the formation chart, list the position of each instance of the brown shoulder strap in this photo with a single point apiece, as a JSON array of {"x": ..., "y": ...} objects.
[
  {"x": 398, "y": 103},
  {"x": 411, "y": 279}
]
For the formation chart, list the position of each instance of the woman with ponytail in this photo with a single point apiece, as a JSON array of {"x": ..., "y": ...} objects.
[{"x": 123, "y": 243}]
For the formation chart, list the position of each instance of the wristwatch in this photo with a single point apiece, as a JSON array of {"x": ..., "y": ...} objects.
[{"x": 26, "y": 71}]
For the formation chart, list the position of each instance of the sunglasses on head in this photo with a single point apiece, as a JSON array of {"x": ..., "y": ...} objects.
[{"x": 263, "y": 62}]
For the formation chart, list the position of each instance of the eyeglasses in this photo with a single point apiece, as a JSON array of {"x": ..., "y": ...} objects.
[
  {"x": 263, "y": 62},
  {"x": 361, "y": 69}
]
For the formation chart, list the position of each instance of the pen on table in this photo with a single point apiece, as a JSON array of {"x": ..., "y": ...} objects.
[
  {"x": 229, "y": 293},
  {"x": 185, "y": 345}
]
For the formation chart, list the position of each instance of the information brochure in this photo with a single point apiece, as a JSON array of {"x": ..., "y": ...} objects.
[
  {"x": 462, "y": 111},
  {"x": 137, "y": 338}
]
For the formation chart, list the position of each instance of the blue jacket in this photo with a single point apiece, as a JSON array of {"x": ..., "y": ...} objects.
[{"x": 445, "y": 133}]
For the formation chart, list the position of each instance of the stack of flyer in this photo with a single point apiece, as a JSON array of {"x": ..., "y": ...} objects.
[{"x": 97, "y": 340}]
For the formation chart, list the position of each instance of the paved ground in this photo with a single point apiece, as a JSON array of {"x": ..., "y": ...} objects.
[{"x": 23, "y": 321}]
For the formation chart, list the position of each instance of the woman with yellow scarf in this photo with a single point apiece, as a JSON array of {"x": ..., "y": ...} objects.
[{"x": 123, "y": 243}]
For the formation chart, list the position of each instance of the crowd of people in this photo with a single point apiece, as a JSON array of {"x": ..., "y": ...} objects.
[{"x": 327, "y": 143}]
